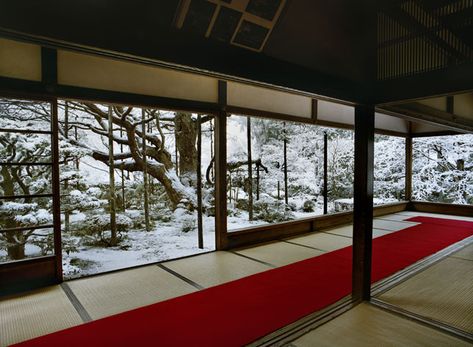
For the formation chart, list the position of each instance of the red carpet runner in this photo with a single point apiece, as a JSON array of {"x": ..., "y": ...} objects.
[{"x": 239, "y": 312}]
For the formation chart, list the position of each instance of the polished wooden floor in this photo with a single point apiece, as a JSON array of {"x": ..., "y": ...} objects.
[{"x": 78, "y": 301}]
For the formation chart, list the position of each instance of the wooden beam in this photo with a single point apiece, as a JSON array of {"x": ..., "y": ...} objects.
[
  {"x": 49, "y": 68},
  {"x": 363, "y": 202},
  {"x": 415, "y": 111},
  {"x": 221, "y": 169}
]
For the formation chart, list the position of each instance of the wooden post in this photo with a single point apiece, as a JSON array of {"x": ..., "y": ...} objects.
[
  {"x": 257, "y": 182},
  {"x": 56, "y": 190},
  {"x": 408, "y": 178},
  {"x": 286, "y": 195},
  {"x": 221, "y": 169},
  {"x": 363, "y": 202},
  {"x": 325, "y": 191},
  {"x": 250, "y": 169},
  {"x": 111, "y": 170},
  {"x": 200, "y": 227},
  {"x": 145, "y": 171}
]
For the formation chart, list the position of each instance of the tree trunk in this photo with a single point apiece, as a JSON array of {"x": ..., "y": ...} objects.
[{"x": 186, "y": 136}]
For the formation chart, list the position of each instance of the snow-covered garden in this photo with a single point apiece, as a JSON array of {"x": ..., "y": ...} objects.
[{"x": 129, "y": 179}]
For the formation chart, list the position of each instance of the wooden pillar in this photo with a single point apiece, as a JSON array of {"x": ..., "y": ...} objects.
[
  {"x": 200, "y": 226},
  {"x": 221, "y": 169},
  {"x": 408, "y": 179},
  {"x": 363, "y": 202},
  {"x": 56, "y": 190},
  {"x": 250, "y": 169},
  {"x": 325, "y": 173}
]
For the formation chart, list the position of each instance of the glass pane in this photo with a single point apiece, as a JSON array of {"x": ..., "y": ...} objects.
[
  {"x": 24, "y": 115},
  {"x": 25, "y": 180},
  {"x": 154, "y": 195},
  {"x": 389, "y": 169},
  {"x": 18, "y": 245},
  {"x": 25, "y": 212}
]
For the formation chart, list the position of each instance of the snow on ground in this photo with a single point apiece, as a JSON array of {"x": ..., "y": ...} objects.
[{"x": 141, "y": 247}]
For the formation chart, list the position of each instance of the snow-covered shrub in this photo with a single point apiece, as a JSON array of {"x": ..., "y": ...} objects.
[
  {"x": 272, "y": 211},
  {"x": 308, "y": 206},
  {"x": 95, "y": 230},
  {"x": 186, "y": 220}
]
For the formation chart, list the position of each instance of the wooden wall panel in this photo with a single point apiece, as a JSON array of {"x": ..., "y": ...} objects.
[
  {"x": 269, "y": 100},
  {"x": 390, "y": 123},
  {"x": 333, "y": 112},
  {"x": 20, "y": 60},
  {"x": 82, "y": 70}
]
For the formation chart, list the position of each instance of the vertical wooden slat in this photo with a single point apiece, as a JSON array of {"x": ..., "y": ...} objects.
[
  {"x": 363, "y": 202},
  {"x": 49, "y": 79},
  {"x": 250, "y": 169},
  {"x": 56, "y": 190},
  {"x": 200, "y": 224},
  {"x": 221, "y": 169},
  {"x": 314, "y": 109}
]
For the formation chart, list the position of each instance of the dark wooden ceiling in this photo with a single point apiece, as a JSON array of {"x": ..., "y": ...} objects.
[{"x": 339, "y": 48}]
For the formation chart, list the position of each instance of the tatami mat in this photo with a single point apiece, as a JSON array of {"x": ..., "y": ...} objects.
[
  {"x": 466, "y": 253},
  {"x": 443, "y": 292},
  {"x": 112, "y": 293},
  {"x": 215, "y": 268},
  {"x": 366, "y": 325},
  {"x": 280, "y": 253},
  {"x": 395, "y": 217},
  {"x": 391, "y": 225},
  {"x": 348, "y": 232},
  {"x": 342, "y": 231},
  {"x": 323, "y": 241},
  {"x": 35, "y": 314}
]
